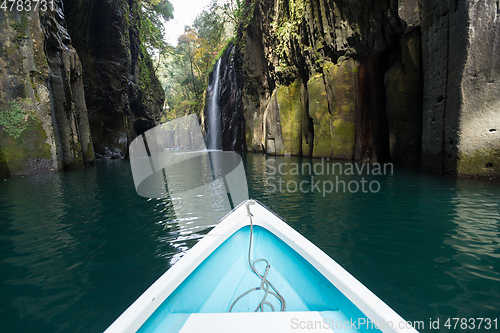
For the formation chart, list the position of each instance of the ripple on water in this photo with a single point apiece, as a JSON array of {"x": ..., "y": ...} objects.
[{"x": 77, "y": 248}]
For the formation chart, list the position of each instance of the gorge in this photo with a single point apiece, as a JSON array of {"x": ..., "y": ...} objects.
[
  {"x": 316, "y": 94},
  {"x": 413, "y": 82}
]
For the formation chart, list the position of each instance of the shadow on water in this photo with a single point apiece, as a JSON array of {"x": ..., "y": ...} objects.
[{"x": 77, "y": 248}]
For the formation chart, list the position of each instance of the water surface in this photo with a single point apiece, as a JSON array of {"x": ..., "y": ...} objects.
[{"x": 77, "y": 248}]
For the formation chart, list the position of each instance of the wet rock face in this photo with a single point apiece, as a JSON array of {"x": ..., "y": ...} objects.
[
  {"x": 408, "y": 81},
  {"x": 328, "y": 58},
  {"x": 71, "y": 123},
  {"x": 73, "y": 81},
  {"x": 40, "y": 132},
  {"x": 124, "y": 97},
  {"x": 403, "y": 84},
  {"x": 478, "y": 137}
]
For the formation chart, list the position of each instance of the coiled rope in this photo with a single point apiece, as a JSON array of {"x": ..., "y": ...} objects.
[{"x": 265, "y": 284}]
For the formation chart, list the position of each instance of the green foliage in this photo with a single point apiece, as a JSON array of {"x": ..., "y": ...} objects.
[
  {"x": 209, "y": 25},
  {"x": 221, "y": 52},
  {"x": 288, "y": 18},
  {"x": 162, "y": 7},
  {"x": 20, "y": 29},
  {"x": 151, "y": 14},
  {"x": 14, "y": 120},
  {"x": 145, "y": 75},
  {"x": 184, "y": 72},
  {"x": 240, "y": 12}
]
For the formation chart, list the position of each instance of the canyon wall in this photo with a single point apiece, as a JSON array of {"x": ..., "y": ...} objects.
[
  {"x": 123, "y": 94},
  {"x": 43, "y": 119},
  {"x": 75, "y": 84},
  {"x": 414, "y": 82}
]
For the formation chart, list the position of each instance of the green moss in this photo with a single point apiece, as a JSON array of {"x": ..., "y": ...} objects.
[
  {"x": 286, "y": 26},
  {"x": 249, "y": 137},
  {"x": 4, "y": 167},
  {"x": 13, "y": 120},
  {"x": 319, "y": 113},
  {"x": 20, "y": 30},
  {"x": 291, "y": 108},
  {"x": 343, "y": 137},
  {"x": 483, "y": 162},
  {"x": 306, "y": 149},
  {"x": 35, "y": 91},
  {"x": 89, "y": 152},
  {"x": 24, "y": 148},
  {"x": 341, "y": 81},
  {"x": 144, "y": 72},
  {"x": 230, "y": 42}
]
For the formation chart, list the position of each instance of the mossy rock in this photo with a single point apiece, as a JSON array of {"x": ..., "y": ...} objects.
[
  {"x": 26, "y": 151},
  {"x": 249, "y": 136},
  {"x": 482, "y": 163},
  {"x": 4, "y": 167},
  {"x": 343, "y": 136},
  {"x": 319, "y": 113},
  {"x": 291, "y": 110},
  {"x": 341, "y": 87}
]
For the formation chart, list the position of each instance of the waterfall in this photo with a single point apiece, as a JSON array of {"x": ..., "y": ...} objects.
[
  {"x": 214, "y": 132},
  {"x": 223, "y": 115}
]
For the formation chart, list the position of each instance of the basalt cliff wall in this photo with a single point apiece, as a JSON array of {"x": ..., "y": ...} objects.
[
  {"x": 65, "y": 101},
  {"x": 124, "y": 97},
  {"x": 414, "y": 82}
]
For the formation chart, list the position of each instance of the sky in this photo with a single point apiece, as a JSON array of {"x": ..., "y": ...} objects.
[{"x": 185, "y": 11}]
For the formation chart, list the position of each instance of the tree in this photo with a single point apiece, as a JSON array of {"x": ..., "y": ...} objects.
[
  {"x": 184, "y": 72},
  {"x": 152, "y": 32},
  {"x": 239, "y": 11}
]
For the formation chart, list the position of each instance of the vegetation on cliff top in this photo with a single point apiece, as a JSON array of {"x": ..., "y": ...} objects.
[
  {"x": 185, "y": 69},
  {"x": 151, "y": 26}
]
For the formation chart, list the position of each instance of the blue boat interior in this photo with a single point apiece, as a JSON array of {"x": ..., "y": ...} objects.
[{"x": 225, "y": 275}]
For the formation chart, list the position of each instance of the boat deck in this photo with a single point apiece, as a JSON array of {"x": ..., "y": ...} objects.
[
  {"x": 263, "y": 322},
  {"x": 202, "y": 301}
]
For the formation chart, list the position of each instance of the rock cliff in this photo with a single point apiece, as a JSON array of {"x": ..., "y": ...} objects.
[
  {"x": 414, "y": 82},
  {"x": 75, "y": 83},
  {"x": 123, "y": 95},
  {"x": 43, "y": 119}
]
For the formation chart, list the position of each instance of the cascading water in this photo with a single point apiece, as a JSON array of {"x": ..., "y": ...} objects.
[
  {"x": 214, "y": 132},
  {"x": 224, "y": 119}
]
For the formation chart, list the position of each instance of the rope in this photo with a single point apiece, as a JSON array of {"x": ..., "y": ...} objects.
[{"x": 265, "y": 284}]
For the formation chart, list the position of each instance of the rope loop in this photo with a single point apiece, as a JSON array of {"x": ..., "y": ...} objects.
[{"x": 265, "y": 285}]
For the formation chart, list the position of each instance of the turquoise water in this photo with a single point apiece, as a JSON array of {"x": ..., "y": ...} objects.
[{"x": 77, "y": 248}]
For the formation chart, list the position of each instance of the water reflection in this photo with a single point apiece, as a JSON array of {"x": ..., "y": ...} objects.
[
  {"x": 77, "y": 248},
  {"x": 476, "y": 253},
  {"x": 38, "y": 244},
  {"x": 427, "y": 245},
  {"x": 170, "y": 161},
  {"x": 68, "y": 239}
]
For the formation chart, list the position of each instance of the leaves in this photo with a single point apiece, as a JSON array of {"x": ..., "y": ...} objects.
[
  {"x": 184, "y": 72},
  {"x": 240, "y": 12},
  {"x": 13, "y": 120},
  {"x": 151, "y": 14}
]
